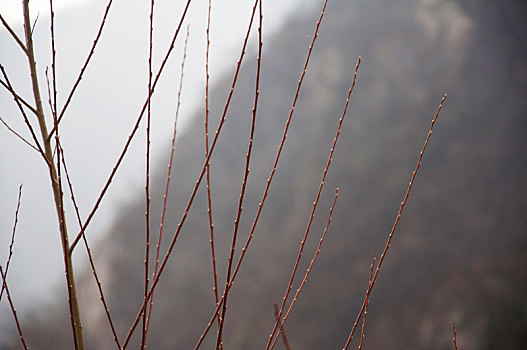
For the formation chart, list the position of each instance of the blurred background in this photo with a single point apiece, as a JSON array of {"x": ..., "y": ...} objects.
[{"x": 458, "y": 254}]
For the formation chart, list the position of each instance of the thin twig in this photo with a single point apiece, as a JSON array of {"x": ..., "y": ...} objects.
[
  {"x": 17, "y": 97},
  {"x": 284, "y": 336},
  {"x": 315, "y": 203},
  {"x": 18, "y": 135},
  {"x": 200, "y": 177},
  {"x": 455, "y": 335},
  {"x": 209, "y": 198},
  {"x": 147, "y": 171},
  {"x": 167, "y": 186},
  {"x": 8, "y": 262},
  {"x": 85, "y": 65},
  {"x": 88, "y": 251},
  {"x": 13, "y": 34},
  {"x": 219, "y": 343},
  {"x": 281, "y": 329},
  {"x": 269, "y": 180},
  {"x": 398, "y": 217},
  {"x": 134, "y": 130},
  {"x": 13, "y": 310},
  {"x": 24, "y": 116},
  {"x": 362, "y": 333}
]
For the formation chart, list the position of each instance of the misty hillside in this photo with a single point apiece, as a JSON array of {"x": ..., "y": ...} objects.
[{"x": 459, "y": 252}]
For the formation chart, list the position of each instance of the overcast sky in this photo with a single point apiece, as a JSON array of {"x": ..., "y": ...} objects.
[{"x": 103, "y": 112}]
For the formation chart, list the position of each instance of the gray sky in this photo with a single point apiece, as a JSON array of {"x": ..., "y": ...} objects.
[{"x": 103, "y": 112}]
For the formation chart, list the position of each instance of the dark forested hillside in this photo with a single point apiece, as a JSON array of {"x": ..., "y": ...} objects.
[{"x": 459, "y": 252}]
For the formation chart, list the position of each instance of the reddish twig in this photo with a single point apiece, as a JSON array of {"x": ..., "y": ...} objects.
[
  {"x": 17, "y": 97},
  {"x": 284, "y": 336},
  {"x": 269, "y": 180},
  {"x": 8, "y": 262},
  {"x": 455, "y": 335},
  {"x": 221, "y": 319},
  {"x": 18, "y": 101},
  {"x": 165, "y": 197},
  {"x": 84, "y": 66},
  {"x": 281, "y": 329},
  {"x": 209, "y": 199},
  {"x": 13, "y": 310},
  {"x": 147, "y": 180},
  {"x": 366, "y": 307},
  {"x": 18, "y": 135},
  {"x": 134, "y": 130},
  {"x": 315, "y": 203},
  {"x": 398, "y": 217},
  {"x": 198, "y": 182}
]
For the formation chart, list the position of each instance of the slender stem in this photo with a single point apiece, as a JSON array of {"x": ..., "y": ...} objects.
[
  {"x": 308, "y": 271},
  {"x": 17, "y": 97},
  {"x": 18, "y": 135},
  {"x": 315, "y": 203},
  {"x": 13, "y": 310},
  {"x": 13, "y": 34},
  {"x": 269, "y": 180},
  {"x": 284, "y": 336},
  {"x": 147, "y": 180},
  {"x": 198, "y": 181},
  {"x": 455, "y": 335},
  {"x": 55, "y": 184},
  {"x": 221, "y": 319},
  {"x": 85, "y": 65},
  {"x": 209, "y": 198},
  {"x": 167, "y": 186},
  {"x": 362, "y": 333},
  {"x": 134, "y": 130},
  {"x": 8, "y": 262},
  {"x": 24, "y": 116},
  {"x": 395, "y": 224}
]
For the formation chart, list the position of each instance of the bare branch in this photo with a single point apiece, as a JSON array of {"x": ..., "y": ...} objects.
[
  {"x": 134, "y": 130},
  {"x": 13, "y": 310},
  {"x": 18, "y": 135},
  {"x": 8, "y": 262},
  {"x": 398, "y": 217},
  {"x": 13, "y": 34}
]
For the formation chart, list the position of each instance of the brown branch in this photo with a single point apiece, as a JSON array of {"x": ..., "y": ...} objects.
[
  {"x": 455, "y": 335},
  {"x": 8, "y": 262},
  {"x": 134, "y": 130},
  {"x": 284, "y": 336},
  {"x": 18, "y": 135},
  {"x": 209, "y": 199},
  {"x": 167, "y": 186},
  {"x": 315, "y": 203},
  {"x": 398, "y": 217},
  {"x": 85, "y": 65},
  {"x": 281, "y": 329},
  {"x": 147, "y": 170},
  {"x": 366, "y": 307},
  {"x": 221, "y": 319},
  {"x": 200, "y": 178},
  {"x": 269, "y": 180},
  {"x": 24, "y": 116},
  {"x": 13, "y": 34},
  {"x": 13, "y": 310},
  {"x": 17, "y": 97}
]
